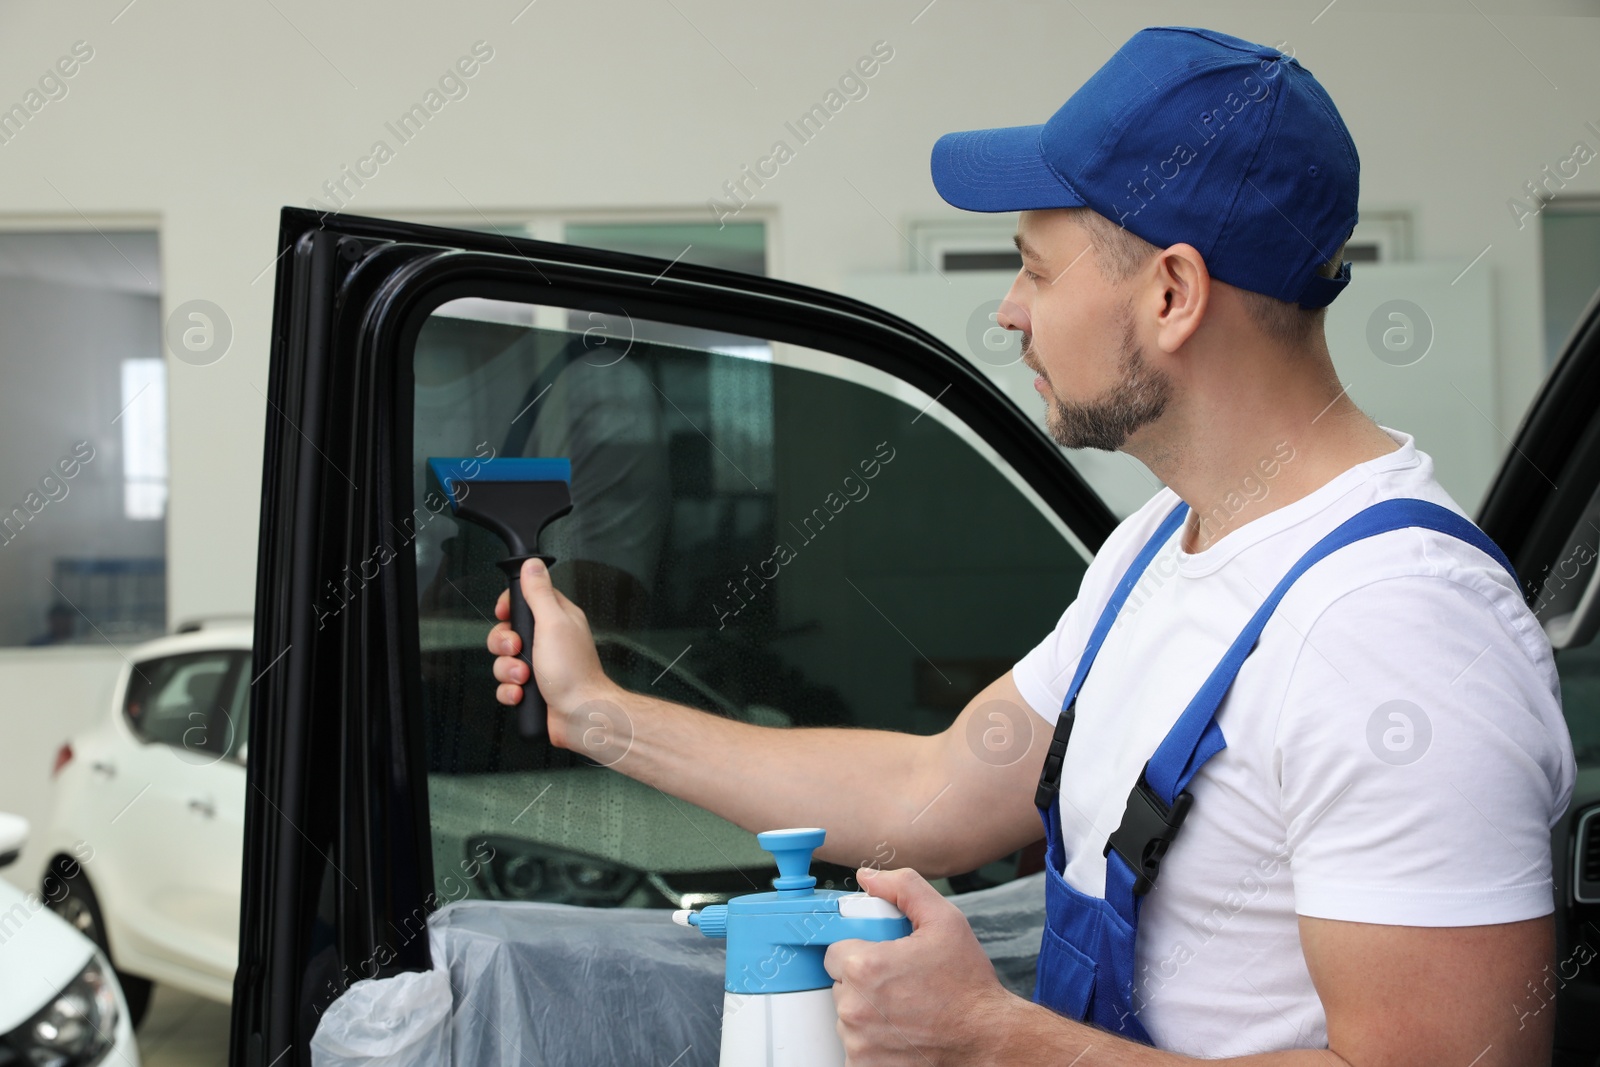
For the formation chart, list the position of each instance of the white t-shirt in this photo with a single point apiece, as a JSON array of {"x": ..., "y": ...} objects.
[{"x": 1396, "y": 750}]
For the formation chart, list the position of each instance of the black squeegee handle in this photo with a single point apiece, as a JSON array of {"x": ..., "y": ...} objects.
[{"x": 532, "y": 713}]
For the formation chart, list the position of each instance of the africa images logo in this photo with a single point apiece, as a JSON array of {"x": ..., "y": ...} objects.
[
  {"x": 744, "y": 589},
  {"x": 1212, "y": 124},
  {"x": 1399, "y": 732},
  {"x": 53, "y": 85},
  {"x": 453, "y": 84},
  {"x": 852, "y": 85}
]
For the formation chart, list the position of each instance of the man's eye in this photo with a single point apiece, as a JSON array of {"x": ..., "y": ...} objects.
[{"x": 1031, "y": 276}]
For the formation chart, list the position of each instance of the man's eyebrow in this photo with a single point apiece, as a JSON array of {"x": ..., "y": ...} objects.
[{"x": 1023, "y": 247}]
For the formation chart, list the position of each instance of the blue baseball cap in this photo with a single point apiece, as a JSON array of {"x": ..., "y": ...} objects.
[{"x": 1185, "y": 135}]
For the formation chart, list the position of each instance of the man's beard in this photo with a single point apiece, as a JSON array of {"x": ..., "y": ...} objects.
[{"x": 1138, "y": 397}]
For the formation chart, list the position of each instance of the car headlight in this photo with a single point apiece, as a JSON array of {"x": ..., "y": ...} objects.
[
  {"x": 75, "y": 1029},
  {"x": 522, "y": 870}
]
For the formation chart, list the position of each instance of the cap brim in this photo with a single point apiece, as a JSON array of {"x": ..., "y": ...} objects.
[{"x": 998, "y": 170}]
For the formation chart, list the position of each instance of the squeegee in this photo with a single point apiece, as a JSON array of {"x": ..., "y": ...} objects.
[{"x": 514, "y": 499}]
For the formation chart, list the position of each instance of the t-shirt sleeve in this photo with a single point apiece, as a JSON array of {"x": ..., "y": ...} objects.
[
  {"x": 1042, "y": 676},
  {"x": 1423, "y": 760}
]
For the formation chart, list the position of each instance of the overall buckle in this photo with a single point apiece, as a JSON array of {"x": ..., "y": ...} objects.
[
  {"x": 1050, "y": 776},
  {"x": 1147, "y": 831}
]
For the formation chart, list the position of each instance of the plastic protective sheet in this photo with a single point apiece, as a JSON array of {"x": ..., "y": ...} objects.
[
  {"x": 403, "y": 1021},
  {"x": 548, "y": 985},
  {"x": 1009, "y": 920}
]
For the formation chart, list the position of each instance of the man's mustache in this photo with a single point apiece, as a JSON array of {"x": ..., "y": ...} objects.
[{"x": 1027, "y": 352}]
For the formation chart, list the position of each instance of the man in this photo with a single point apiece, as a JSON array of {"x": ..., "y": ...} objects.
[{"x": 1371, "y": 747}]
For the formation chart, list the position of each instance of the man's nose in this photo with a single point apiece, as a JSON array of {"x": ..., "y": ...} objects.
[{"x": 1013, "y": 315}]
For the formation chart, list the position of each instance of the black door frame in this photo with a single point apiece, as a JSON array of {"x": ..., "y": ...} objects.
[
  {"x": 1527, "y": 511},
  {"x": 335, "y": 785}
]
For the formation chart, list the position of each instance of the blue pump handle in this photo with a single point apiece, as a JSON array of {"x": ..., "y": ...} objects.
[{"x": 792, "y": 849}]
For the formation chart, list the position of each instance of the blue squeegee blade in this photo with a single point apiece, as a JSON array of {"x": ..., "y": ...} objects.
[{"x": 507, "y": 469}]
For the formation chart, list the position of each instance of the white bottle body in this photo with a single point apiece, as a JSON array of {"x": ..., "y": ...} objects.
[{"x": 781, "y": 1030}]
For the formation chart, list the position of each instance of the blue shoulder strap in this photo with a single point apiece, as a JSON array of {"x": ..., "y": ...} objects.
[
  {"x": 1050, "y": 775},
  {"x": 1120, "y": 594},
  {"x": 1195, "y": 737}
]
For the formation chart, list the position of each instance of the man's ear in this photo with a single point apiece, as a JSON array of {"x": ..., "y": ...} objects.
[{"x": 1184, "y": 286}]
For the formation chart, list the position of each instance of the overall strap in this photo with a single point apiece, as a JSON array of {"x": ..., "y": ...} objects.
[
  {"x": 1159, "y": 801},
  {"x": 1186, "y": 748},
  {"x": 1050, "y": 776}
]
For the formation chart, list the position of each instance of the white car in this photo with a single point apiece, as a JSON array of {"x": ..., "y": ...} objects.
[
  {"x": 147, "y": 827},
  {"x": 59, "y": 1000}
]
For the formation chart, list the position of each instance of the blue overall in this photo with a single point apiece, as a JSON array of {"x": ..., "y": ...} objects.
[{"x": 1086, "y": 956}]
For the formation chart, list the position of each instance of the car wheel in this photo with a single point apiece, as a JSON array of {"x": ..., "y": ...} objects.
[{"x": 69, "y": 895}]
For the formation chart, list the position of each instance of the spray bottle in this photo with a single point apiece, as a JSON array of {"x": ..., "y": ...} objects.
[{"x": 777, "y": 1008}]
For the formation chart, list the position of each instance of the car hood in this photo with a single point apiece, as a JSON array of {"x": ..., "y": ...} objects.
[
  {"x": 591, "y": 811},
  {"x": 40, "y": 953}
]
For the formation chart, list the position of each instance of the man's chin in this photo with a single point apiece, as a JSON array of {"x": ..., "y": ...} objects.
[{"x": 1068, "y": 433}]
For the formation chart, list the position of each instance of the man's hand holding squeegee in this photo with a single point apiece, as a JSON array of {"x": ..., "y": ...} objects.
[
  {"x": 564, "y": 658},
  {"x": 515, "y": 499}
]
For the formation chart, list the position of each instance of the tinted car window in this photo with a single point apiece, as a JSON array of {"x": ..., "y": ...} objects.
[
  {"x": 761, "y": 531},
  {"x": 1565, "y": 588},
  {"x": 188, "y": 701}
]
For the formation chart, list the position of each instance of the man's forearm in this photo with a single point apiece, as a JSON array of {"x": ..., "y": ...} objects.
[
  {"x": 859, "y": 784},
  {"x": 868, "y": 788},
  {"x": 1027, "y": 1035}
]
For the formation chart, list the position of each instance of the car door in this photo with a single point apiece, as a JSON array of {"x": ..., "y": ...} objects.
[
  {"x": 789, "y": 507},
  {"x": 1543, "y": 509},
  {"x": 177, "y": 849}
]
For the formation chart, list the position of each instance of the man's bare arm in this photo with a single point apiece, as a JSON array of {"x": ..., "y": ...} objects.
[
  {"x": 1394, "y": 996},
  {"x": 942, "y": 804},
  {"x": 1429, "y": 996}
]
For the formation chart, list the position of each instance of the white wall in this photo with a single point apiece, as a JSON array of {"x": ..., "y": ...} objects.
[
  {"x": 1449, "y": 367},
  {"x": 205, "y": 118},
  {"x": 51, "y": 694}
]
